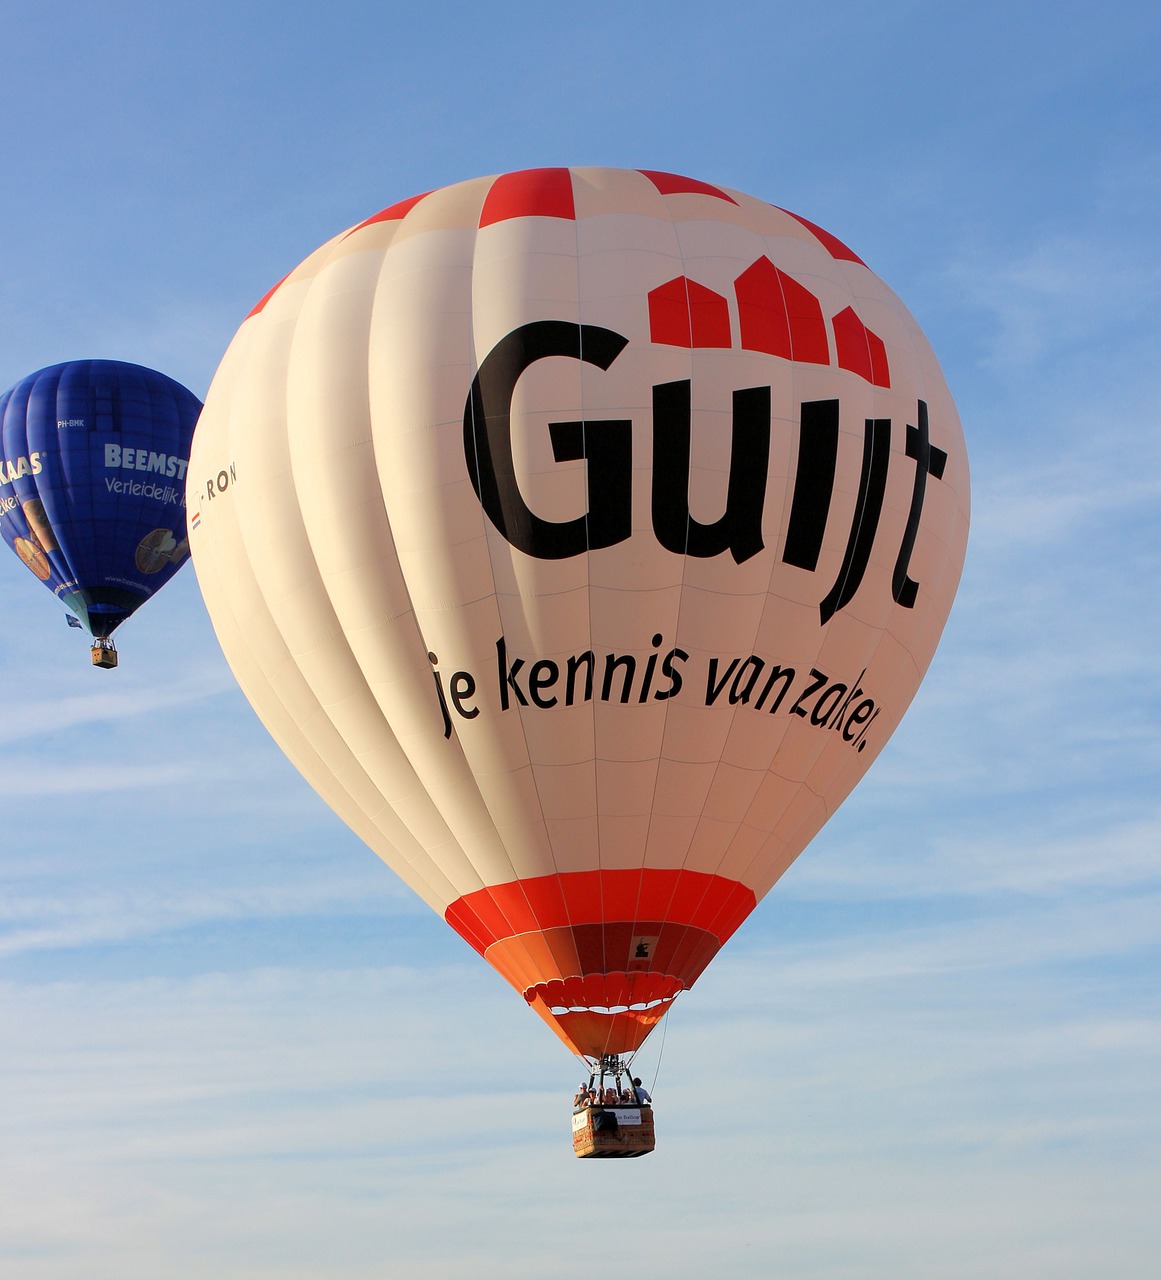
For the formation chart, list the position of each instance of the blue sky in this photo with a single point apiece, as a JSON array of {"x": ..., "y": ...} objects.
[{"x": 934, "y": 1050}]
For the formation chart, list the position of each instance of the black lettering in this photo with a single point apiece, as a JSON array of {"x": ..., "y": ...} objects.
[
  {"x": 508, "y": 676},
  {"x": 818, "y": 434},
  {"x": 712, "y": 691},
  {"x": 670, "y": 672},
  {"x": 856, "y": 718},
  {"x": 223, "y": 481},
  {"x": 851, "y": 696},
  {"x": 739, "y": 693},
  {"x": 820, "y": 680},
  {"x": 588, "y": 660},
  {"x": 928, "y": 461},
  {"x": 447, "y": 725},
  {"x": 647, "y": 682},
  {"x": 818, "y": 715},
  {"x": 612, "y": 662},
  {"x": 786, "y": 675},
  {"x": 542, "y": 675},
  {"x": 461, "y": 687},
  {"x": 740, "y": 527},
  {"x": 868, "y": 507},
  {"x": 607, "y": 445}
]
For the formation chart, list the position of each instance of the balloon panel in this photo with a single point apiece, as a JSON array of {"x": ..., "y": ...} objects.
[
  {"x": 93, "y": 456},
  {"x": 582, "y": 535}
]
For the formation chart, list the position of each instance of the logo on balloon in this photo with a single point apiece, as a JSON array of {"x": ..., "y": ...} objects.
[{"x": 607, "y": 446}]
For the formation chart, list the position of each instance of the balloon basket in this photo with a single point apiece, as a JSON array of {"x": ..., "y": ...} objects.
[
  {"x": 612, "y": 1133},
  {"x": 104, "y": 655}
]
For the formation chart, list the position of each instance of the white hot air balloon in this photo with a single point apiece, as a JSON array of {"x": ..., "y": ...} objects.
[{"x": 581, "y": 535}]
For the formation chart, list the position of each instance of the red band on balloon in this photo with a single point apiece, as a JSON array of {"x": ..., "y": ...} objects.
[{"x": 672, "y": 896}]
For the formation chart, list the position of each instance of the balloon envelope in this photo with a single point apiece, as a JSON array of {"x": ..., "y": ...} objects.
[
  {"x": 93, "y": 456},
  {"x": 581, "y": 535}
]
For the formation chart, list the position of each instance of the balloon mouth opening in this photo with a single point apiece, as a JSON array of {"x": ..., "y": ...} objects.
[{"x": 641, "y": 1006}]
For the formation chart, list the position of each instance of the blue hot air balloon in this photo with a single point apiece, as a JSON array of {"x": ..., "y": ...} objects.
[{"x": 93, "y": 455}]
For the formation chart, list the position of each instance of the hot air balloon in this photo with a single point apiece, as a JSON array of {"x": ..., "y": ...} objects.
[
  {"x": 93, "y": 455},
  {"x": 581, "y": 535}
]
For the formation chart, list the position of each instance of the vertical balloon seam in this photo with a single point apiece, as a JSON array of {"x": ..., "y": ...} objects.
[
  {"x": 244, "y": 549},
  {"x": 580, "y": 309},
  {"x": 770, "y": 593},
  {"x": 665, "y": 202},
  {"x": 418, "y": 862},
  {"x": 792, "y": 839},
  {"x": 611, "y": 1025},
  {"x": 493, "y": 548},
  {"x": 62, "y": 493},
  {"x": 829, "y": 807},
  {"x": 758, "y": 625},
  {"x": 668, "y": 218},
  {"x": 292, "y": 742},
  {"x": 685, "y": 562},
  {"x": 596, "y": 713},
  {"x": 91, "y": 537},
  {"x": 512, "y": 555},
  {"x": 382, "y": 254},
  {"x": 517, "y": 935}
]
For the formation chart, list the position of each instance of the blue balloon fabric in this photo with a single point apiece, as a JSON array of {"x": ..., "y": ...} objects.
[{"x": 93, "y": 455}]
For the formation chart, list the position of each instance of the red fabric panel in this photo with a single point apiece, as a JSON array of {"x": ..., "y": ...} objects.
[
  {"x": 393, "y": 213},
  {"x": 669, "y": 322},
  {"x": 860, "y": 350},
  {"x": 709, "y": 315},
  {"x": 683, "y": 313},
  {"x": 672, "y": 184},
  {"x": 833, "y": 245},
  {"x": 762, "y": 310},
  {"x": 529, "y": 193},
  {"x": 546, "y": 897},
  {"x": 468, "y": 925},
  {"x": 808, "y": 341},
  {"x": 780, "y": 316}
]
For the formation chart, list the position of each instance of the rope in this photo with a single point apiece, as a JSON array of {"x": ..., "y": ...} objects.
[{"x": 664, "y": 1031}]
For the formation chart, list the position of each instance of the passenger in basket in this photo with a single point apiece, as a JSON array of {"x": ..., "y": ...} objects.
[
  {"x": 610, "y": 1097},
  {"x": 627, "y": 1097},
  {"x": 582, "y": 1097},
  {"x": 643, "y": 1097}
]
